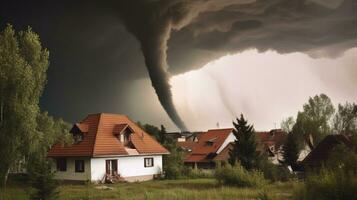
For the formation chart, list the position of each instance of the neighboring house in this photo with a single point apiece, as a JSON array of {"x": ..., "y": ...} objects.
[
  {"x": 271, "y": 142},
  {"x": 108, "y": 147},
  {"x": 323, "y": 150},
  {"x": 209, "y": 145},
  {"x": 184, "y": 136}
]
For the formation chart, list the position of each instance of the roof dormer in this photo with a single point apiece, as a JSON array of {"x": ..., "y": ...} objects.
[
  {"x": 123, "y": 133},
  {"x": 78, "y": 131}
]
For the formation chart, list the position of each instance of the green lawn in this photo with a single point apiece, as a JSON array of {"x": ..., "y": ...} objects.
[{"x": 202, "y": 189}]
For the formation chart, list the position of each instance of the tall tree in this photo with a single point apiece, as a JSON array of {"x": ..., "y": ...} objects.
[
  {"x": 313, "y": 123},
  {"x": 345, "y": 120},
  {"x": 245, "y": 146},
  {"x": 23, "y": 66}
]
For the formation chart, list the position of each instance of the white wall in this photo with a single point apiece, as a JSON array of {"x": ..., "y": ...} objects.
[
  {"x": 230, "y": 138},
  {"x": 70, "y": 173},
  {"x": 127, "y": 166}
]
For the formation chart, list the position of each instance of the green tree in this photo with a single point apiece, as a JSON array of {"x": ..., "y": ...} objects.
[
  {"x": 345, "y": 120},
  {"x": 287, "y": 124},
  {"x": 291, "y": 150},
  {"x": 315, "y": 119},
  {"x": 152, "y": 130},
  {"x": 245, "y": 146},
  {"x": 23, "y": 66}
]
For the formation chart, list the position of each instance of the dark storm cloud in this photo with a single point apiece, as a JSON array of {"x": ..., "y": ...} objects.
[
  {"x": 315, "y": 27},
  {"x": 98, "y": 47},
  {"x": 282, "y": 25}
]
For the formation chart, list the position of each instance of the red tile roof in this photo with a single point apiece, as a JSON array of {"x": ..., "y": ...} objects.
[
  {"x": 274, "y": 138},
  {"x": 208, "y": 144},
  {"x": 100, "y": 140},
  {"x": 186, "y": 144}
]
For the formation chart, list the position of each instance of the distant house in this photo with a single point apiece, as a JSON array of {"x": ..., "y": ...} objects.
[
  {"x": 213, "y": 146},
  {"x": 271, "y": 143},
  {"x": 185, "y": 136},
  {"x": 321, "y": 153},
  {"x": 108, "y": 147},
  {"x": 209, "y": 146}
]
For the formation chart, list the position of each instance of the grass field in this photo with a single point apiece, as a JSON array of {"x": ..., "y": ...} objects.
[{"x": 202, "y": 189}]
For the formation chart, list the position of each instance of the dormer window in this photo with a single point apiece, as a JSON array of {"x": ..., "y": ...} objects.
[
  {"x": 210, "y": 142},
  {"x": 78, "y": 131},
  {"x": 123, "y": 132}
]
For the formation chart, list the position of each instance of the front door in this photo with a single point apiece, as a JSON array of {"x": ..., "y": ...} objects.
[{"x": 111, "y": 167}]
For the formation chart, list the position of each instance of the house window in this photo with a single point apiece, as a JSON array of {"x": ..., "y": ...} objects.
[
  {"x": 148, "y": 162},
  {"x": 111, "y": 167},
  {"x": 61, "y": 164},
  {"x": 79, "y": 165}
]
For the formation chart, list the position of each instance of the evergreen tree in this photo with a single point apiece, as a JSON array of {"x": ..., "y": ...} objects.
[
  {"x": 42, "y": 179},
  {"x": 245, "y": 145},
  {"x": 291, "y": 150}
]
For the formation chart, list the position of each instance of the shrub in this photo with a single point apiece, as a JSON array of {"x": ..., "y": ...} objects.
[
  {"x": 328, "y": 185},
  {"x": 197, "y": 173},
  {"x": 274, "y": 172},
  {"x": 238, "y": 176}
]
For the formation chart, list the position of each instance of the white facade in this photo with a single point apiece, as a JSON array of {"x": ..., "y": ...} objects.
[{"x": 131, "y": 168}]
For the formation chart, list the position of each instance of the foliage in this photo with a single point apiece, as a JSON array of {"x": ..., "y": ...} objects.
[
  {"x": 42, "y": 180},
  {"x": 152, "y": 130},
  {"x": 237, "y": 175},
  {"x": 245, "y": 146},
  {"x": 50, "y": 131},
  {"x": 345, "y": 120},
  {"x": 315, "y": 119},
  {"x": 329, "y": 185},
  {"x": 274, "y": 172},
  {"x": 287, "y": 124},
  {"x": 291, "y": 150},
  {"x": 23, "y": 66},
  {"x": 336, "y": 181},
  {"x": 188, "y": 172}
]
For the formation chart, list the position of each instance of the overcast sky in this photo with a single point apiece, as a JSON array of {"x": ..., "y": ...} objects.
[{"x": 191, "y": 64}]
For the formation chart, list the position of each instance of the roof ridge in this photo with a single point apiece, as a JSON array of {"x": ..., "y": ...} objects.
[{"x": 219, "y": 129}]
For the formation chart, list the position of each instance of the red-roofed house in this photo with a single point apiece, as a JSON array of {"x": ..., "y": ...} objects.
[
  {"x": 108, "y": 145},
  {"x": 209, "y": 145},
  {"x": 271, "y": 142}
]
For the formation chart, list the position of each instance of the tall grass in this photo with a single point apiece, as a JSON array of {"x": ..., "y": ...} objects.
[
  {"x": 238, "y": 176},
  {"x": 328, "y": 185},
  {"x": 184, "y": 189}
]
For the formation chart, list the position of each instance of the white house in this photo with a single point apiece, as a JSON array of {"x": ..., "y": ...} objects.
[{"x": 108, "y": 147}]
